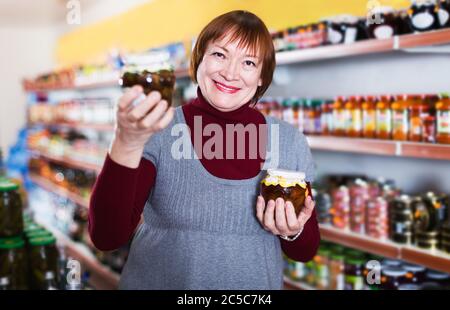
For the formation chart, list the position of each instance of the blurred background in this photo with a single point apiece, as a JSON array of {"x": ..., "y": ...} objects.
[{"x": 366, "y": 81}]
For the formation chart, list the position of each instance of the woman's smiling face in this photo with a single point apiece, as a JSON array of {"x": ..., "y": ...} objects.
[{"x": 229, "y": 74}]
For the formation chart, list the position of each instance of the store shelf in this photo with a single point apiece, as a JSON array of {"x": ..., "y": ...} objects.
[
  {"x": 434, "y": 259},
  {"x": 67, "y": 161},
  {"x": 101, "y": 276},
  {"x": 291, "y": 284},
  {"x": 364, "y": 243},
  {"x": 79, "y": 126},
  {"x": 365, "y": 47},
  {"x": 51, "y": 187},
  {"x": 380, "y": 147},
  {"x": 179, "y": 74}
]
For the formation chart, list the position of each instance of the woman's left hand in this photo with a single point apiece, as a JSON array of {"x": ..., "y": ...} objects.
[{"x": 279, "y": 217}]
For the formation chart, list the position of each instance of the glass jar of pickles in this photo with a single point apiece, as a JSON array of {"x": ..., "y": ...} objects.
[
  {"x": 285, "y": 184},
  {"x": 43, "y": 258},
  {"x": 13, "y": 262},
  {"x": 11, "y": 221}
]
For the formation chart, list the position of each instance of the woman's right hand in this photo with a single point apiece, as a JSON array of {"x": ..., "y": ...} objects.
[{"x": 135, "y": 125}]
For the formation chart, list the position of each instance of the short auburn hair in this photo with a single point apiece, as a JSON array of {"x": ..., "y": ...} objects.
[{"x": 250, "y": 32}]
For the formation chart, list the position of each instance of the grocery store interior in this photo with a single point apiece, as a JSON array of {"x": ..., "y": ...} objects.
[{"x": 366, "y": 81}]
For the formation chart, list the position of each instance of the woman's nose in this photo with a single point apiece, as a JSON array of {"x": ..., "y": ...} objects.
[{"x": 231, "y": 71}]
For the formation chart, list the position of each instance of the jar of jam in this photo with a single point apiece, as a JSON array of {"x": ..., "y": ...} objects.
[
  {"x": 322, "y": 268},
  {"x": 13, "y": 262},
  {"x": 423, "y": 15},
  {"x": 400, "y": 119},
  {"x": 368, "y": 117},
  {"x": 354, "y": 278},
  {"x": 403, "y": 23},
  {"x": 285, "y": 184},
  {"x": 337, "y": 269},
  {"x": 384, "y": 117},
  {"x": 308, "y": 116},
  {"x": 444, "y": 13},
  {"x": 401, "y": 216},
  {"x": 335, "y": 31},
  {"x": 162, "y": 81},
  {"x": 350, "y": 26},
  {"x": 392, "y": 278},
  {"x": 296, "y": 110},
  {"x": 326, "y": 117},
  {"x": 441, "y": 278},
  {"x": 418, "y": 111},
  {"x": 43, "y": 258},
  {"x": 443, "y": 120},
  {"x": 339, "y": 116},
  {"x": 414, "y": 273},
  {"x": 317, "y": 110},
  {"x": 353, "y": 117},
  {"x": 11, "y": 221},
  {"x": 382, "y": 23},
  {"x": 340, "y": 207}
]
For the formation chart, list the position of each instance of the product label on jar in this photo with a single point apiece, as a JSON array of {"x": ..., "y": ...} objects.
[
  {"x": 383, "y": 32},
  {"x": 443, "y": 122},
  {"x": 422, "y": 20},
  {"x": 443, "y": 17},
  {"x": 416, "y": 125},
  {"x": 384, "y": 120},
  {"x": 334, "y": 36},
  {"x": 369, "y": 120},
  {"x": 354, "y": 283},
  {"x": 399, "y": 228},
  {"x": 338, "y": 120},
  {"x": 355, "y": 120},
  {"x": 350, "y": 35},
  {"x": 288, "y": 116},
  {"x": 299, "y": 271},
  {"x": 400, "y": 121}
]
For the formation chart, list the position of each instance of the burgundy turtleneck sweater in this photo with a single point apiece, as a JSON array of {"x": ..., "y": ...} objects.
[{"x": 120, "y": 193}]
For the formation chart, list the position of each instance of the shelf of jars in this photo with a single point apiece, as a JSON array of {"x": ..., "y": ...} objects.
[
  {"x": 77, "y": 126},
  {"x": 434, "y": 259},
  {"x": 101, "y": 276},
  {"x": 290, "y": 284},
  {"x": 380, "y": 147},
  {"x": 67, "y": 161},
  {"x": 111, "y": 81},
  {"x": 371, "y": 46},
  {"x": 51, "y": 187}
]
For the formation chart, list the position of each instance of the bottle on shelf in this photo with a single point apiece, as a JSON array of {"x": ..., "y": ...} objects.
[
  {"x": 443, "y": 120},
  {"x": 418, "y": 112},
  {"x": 50, "y": 281},
  {"x": 326, "y": 117},
  {"x": 384, "y": 117},
  {"x": 368, "y": 117},
  {"x": 353, "y": 117},
  {"x": 400, "y": 118},
  {"x": 339, "y": 116}
]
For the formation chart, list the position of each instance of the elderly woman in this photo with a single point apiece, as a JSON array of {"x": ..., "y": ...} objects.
[{"x": 204, "y": 224}]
